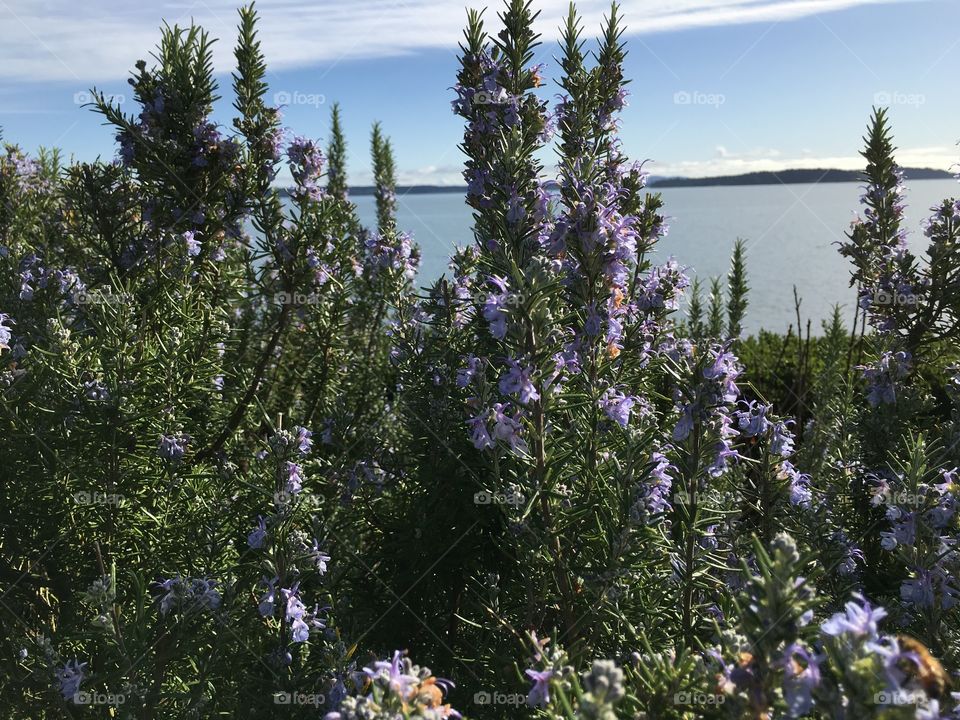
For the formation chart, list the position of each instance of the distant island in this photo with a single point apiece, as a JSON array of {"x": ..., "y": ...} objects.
[
  {"x": 783, "y": 177},
  {"x": 789, "y": 177}
]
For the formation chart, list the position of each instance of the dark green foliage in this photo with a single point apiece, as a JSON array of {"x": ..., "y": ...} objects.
[{"x": 737, "y": 290}]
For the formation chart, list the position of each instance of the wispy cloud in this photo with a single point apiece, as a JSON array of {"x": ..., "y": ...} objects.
[{"x": 99, "y": 40}]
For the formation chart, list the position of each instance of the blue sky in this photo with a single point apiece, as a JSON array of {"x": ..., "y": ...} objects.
[{"x": 719, "y": 86}]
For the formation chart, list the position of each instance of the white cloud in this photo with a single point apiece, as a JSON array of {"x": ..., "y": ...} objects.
[
  {"x": 758, "y": 160},
  {"x": 99, "y": 40},
  {"x": 770, "y": 160},
  {"x": 427, "y": 175}
]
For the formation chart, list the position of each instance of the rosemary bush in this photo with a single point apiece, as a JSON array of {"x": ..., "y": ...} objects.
[{"x": 251, "y": 470}]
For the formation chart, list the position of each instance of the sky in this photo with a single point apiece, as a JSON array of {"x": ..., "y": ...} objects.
[{"x": 717, "y": 86}]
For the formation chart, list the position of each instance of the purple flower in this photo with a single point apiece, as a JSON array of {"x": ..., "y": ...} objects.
[
  {"x": 882, "y": 376},
  {"x": 617, "y": 406},
  {"x": 5, "y": 331},
  {"x": 888, "y": 540},
  {"x": 303, "y": 440},
  {"x": 753, "y": 421},
  {"x": 591, "y": 327},
  {"x": 476, "y": 181},
  {"x": 725, "y": 368},
  {"x": 517, "y": 381},
  {"x": 918, "y": 591},
  {"x": 400, "y": 683},
  {"x": 654, "y": 497},
  {"x": 173, "y": 447},
  {"x": 859, "y": 619},
  {"x": 851, "y": 554},
  {"x": 540, "y": 692},
  {"x": 96, "y": 391},
  {"x": 684, "y": 425},
  {"x": 800, "y": 494},
  {"x": 392, "y": 251},
  {"x": 294, "y": 477},
  {"x": 725, "y": 452},
  {"x": 799, "y": 679},
  {"x": 465, "y": 375},
  {"x": 931, "y": 711},
  {"x": 306, "y": 166},
  {"x": 193, "y": 245},
  {"x": 258, "y": 535},
  {"x": 295, "y": 614},
  {"x": 507, "y": 429},
  {"x": 479, "y": 434},
  {"x": 661, "y": 288},
  {"x": 781, "y": 442},
  {"x": 189, "y": 595},
  {"x": 494, "y": 308},
  {"x": 516, "y": 211},
  {"x": 269, "y": 598},
  {"x": 204, "y": 595},
  {"x": 69, "y": 678},
  {"x": 326, "y": 435}
]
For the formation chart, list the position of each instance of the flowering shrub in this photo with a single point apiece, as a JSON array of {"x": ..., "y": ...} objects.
[{"x": 253, "y": 473}]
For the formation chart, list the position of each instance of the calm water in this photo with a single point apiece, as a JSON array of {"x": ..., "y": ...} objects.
[{"x": 789, "y": 229}]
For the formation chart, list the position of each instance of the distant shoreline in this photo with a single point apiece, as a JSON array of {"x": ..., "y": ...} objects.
[
  {"x": 783, "y": 177},
  {"x": 791, "y": 177}
]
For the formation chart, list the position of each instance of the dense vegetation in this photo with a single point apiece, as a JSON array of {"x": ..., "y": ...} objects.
[{"x": 250, "y": 470}]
